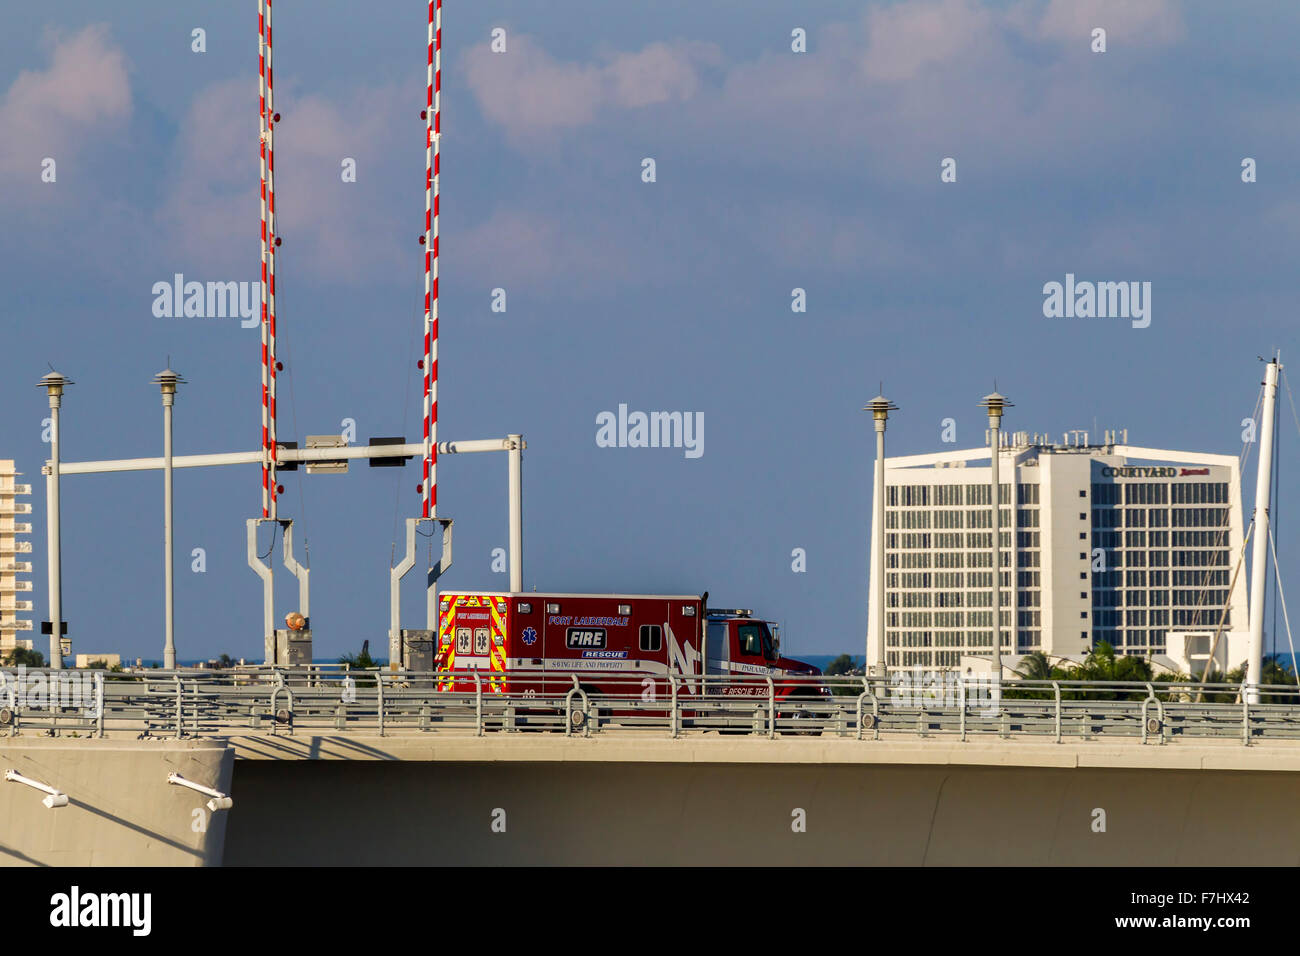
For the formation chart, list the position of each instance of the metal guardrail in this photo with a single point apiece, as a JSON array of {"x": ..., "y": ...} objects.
[{"x": 327, "y": 699}]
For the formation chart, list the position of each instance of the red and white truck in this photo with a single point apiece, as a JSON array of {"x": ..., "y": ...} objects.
[{"x": 532, "y": 641}]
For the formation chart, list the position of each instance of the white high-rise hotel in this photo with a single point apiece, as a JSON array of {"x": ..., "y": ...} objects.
[
  {"x": 1132, "y": 546},
  {"x": 14, "y": 561}
]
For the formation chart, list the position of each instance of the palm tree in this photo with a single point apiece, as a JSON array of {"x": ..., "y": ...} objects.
[
  {"x": 1037, "y": 666},
  {"x": 1034, "y": 666},
  {"x": 24, "y": 657},
  {"x": 360, "y": 662},
  {"x": 1277, "y": 672},
  {"x": 1103, "y": 664}
]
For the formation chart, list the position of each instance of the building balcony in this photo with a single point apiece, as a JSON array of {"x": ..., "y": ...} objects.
[
  {"x": 11, "y": 605},
  {"x": 15, "y": 547},
  {"x": 14, "y": 507},
  {"x": 9, "y": 587},
  {"x": 14, "y": 624},
  {"x": 15, "y": 527},
  {"x": 15, "y": 567}
]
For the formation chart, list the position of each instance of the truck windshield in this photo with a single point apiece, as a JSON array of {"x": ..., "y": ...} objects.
[{"x": 755, "y": 640}]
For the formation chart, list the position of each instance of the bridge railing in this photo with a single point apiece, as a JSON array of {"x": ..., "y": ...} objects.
[{"x": 324, "y": 699}]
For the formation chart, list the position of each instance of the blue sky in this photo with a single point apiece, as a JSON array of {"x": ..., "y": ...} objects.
[{"x": 775, "y": 170}]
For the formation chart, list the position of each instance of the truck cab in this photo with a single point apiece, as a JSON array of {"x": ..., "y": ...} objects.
[{"x": 738, "y": 643}]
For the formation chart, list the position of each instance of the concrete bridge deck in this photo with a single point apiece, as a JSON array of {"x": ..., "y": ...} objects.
[
  {"x": 626, "y": 798},
  {"x": 633, "y": 747}
]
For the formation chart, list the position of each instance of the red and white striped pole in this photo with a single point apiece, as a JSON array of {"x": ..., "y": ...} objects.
[
  {"x": 270, "y": 365},
  {"x": 433, "y": 133},
  {"x": 261, "y": 97}
]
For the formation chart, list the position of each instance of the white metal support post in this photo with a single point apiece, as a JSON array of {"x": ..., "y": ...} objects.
[
  {"x": 437, "y": 570},
  {"x": 54, "y": 383},
  {"x": 167, "y": 380},
  {"x": 880, "y": 407},
  {"x": 299, "y": 571},
  {"x": 995, "y": 404},
  {"x": 264, "y": 572},
  {"x": 1259, "y": 554},
  {"x": 515, "y": 452},
  {"x": 395, "y": 575}
]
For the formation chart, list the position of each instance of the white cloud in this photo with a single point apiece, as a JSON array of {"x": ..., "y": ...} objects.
[
  {"x": 528, "y": 91},
  {"x": 211, "y": 207},
  {"x": 658, "y": 73},
  {"x": 1136, "y": 23},
  {"x": 907, "y": 38},
  {"x": 522, "y": 246},
  {"x": 64, "y": 110}
]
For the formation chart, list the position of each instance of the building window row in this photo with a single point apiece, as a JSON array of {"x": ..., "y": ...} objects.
[
  {"x": 1200, "y": 492},
  {"x": 925, "y": 496}
]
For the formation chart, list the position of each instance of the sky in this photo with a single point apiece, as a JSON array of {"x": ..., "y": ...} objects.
[{"x": 774, "y": 171}]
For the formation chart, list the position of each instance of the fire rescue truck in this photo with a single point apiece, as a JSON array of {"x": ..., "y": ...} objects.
[{"x": 533, "y": 643}]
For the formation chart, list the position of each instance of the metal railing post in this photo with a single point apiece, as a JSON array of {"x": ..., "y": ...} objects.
[
  {"x": 275, "y": 692},
  {"x": 99, "y": 704},
  {"x": 1245, "y": 715},
  {"x": 1160, "y": 714},
  {"x": 1056, "y": 690},
  {"x": 379, "y": 690},
  {"x": 179, "y": 717},
  {"x": 15, "y": 717},
  {"x": 961, "y": 702},
  {"x": 586, "y": 709},
  {"x": 478, "y": 704},
  {"x": 672, "y": 716},
  {"x": 875, "y": 708},
  {"x": 771, "y": 708},
  {"x": 568, "y": 709}
]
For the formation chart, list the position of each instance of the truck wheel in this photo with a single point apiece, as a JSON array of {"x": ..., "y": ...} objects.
[{"x": 801, "y": 716}]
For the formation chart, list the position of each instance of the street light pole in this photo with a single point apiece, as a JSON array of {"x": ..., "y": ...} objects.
[
  {"x": 516, "y": 443},
  {"x": 995, "y": 403},
  {"x": 167, "y": 380},
  {"x": 54, "y": 383},
  {"x": 880, "y": 407}
]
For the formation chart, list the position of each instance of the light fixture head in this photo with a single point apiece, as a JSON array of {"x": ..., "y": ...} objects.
[
  {"x": 54, "y": 382},
  {"x": 995, "y": 403},
  {"x": 880, "y": 407},
  {"x": 167, "y": 380}
]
